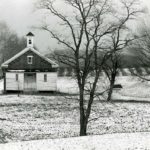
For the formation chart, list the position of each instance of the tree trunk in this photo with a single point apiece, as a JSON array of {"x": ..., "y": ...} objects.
[
  {"x": 83, "y": 127},
  {"x": 83, "y": 122},
  {"x": 4, "y": 81},
  {"x": 110, "y": 92}
]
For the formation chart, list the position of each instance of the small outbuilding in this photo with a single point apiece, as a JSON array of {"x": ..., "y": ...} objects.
[{"x": 29, "y": 70}]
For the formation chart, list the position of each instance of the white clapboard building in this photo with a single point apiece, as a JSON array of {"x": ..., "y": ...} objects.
[{"x": 29, "y": 70}]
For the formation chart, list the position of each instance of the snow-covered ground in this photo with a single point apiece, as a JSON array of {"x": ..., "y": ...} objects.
[
  {"x": 125, "y": 141},
  {"x": 33, "y": 117},
  {"x": 133, "y": 87}
]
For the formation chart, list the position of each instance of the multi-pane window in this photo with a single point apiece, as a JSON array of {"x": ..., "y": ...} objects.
[
  {"x": 29, "y": 59},
  {"x": 16, "y": 77},
  {"x": 45, "y": 77}
]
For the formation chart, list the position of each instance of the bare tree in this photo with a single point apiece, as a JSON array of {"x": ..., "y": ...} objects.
[
  {"x": 119, "y": 40},
  {"x": 88, "y": 28},
  {"x": 111, "y": 69},
  {"x": 10, "y": 43}
]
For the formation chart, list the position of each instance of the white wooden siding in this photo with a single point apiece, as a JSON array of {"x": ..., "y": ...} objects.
[
  {"x": 50, "y": 85},
  {"x": 12, "y": 84}
]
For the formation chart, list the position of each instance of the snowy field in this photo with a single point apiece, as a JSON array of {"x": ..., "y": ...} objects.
[
  {"x": 133, "y": 87},
  {"x": 132, "y": 141},
  {"x": 36, "y": 117},
  {"x": 44, "y": 117}
]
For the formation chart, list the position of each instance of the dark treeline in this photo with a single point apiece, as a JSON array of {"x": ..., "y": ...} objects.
[{"x": 10, "y": 42}]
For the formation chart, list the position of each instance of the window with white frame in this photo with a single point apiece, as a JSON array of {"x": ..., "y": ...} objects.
[
  {"x": 45, "y": 77},
  {"x": 29, "y": 59}
]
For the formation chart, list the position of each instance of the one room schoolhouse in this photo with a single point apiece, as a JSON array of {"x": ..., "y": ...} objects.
[{"x": 29, "y": 70}]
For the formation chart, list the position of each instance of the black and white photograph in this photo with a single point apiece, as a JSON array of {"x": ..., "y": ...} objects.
[{"x": 74, "y": 74}]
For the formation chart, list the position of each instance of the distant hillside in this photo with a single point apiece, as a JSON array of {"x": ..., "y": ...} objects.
[{"x": 128, "y": 61}]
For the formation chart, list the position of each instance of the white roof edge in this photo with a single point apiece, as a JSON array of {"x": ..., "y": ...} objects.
[{"x": 5, "y": 64}]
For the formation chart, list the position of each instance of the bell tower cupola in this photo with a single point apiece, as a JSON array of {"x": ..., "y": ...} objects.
[{"x": 30, "y": 37}]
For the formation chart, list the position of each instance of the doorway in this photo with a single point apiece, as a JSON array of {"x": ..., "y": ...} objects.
[{"x": 30, "y": 82}]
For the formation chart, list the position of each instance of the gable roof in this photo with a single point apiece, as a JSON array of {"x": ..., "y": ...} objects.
[
  {"x": 30, "y": 34},
  {"x": 5, "y": 64}
]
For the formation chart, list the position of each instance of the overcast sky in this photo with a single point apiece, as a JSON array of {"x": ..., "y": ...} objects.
[{"x": 20, "y": 16}]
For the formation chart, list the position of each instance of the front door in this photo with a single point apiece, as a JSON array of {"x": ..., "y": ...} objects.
[{"x": 30, "y": 82}]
